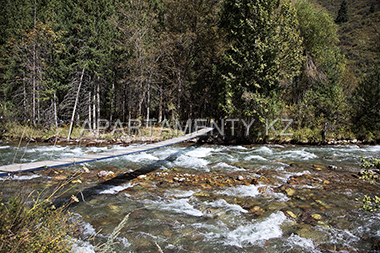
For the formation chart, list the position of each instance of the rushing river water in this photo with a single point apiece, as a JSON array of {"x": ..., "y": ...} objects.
[{"x": 190, "y": 198}]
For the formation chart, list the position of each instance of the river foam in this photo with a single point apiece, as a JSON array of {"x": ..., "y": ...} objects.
[{"x": 255, "y": 232}]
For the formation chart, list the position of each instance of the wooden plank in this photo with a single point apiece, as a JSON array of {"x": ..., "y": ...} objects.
[{"x": 23, "y": 167}]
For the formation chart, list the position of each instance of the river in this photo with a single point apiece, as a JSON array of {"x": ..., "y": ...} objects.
[{"x": 209, "y": 198}]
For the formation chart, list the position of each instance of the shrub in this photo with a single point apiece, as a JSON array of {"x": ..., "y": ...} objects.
[
  {"x": 40, "y": 227},
  {"x": 370, "y": 203},
  {"x": 34, "y": 224}
]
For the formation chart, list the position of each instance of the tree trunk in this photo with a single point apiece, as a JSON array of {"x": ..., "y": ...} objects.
[
  {"x": 130, "y": 103},
  {"x": 38, "y": 102},
  {"x": 98, "y": 101},
  {"x": 89, "y": 110},
  {"x": 147, "y": 106},
  {"x": 94, "y": 112},
  {"x": 34, "y": 64},
  {"x": 160, "y": 107},
  {"x": 25, "y": 98},
  {"x": 112, "y": 100},
  {"x": 75, "y": 106},
  {"x": 55, "y": 111}
]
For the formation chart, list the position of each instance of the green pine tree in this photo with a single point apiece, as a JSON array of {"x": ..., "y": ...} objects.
[
  {"x": 367, "y": 105},
  {"x": 342, "y": 13},
  {"x": 372, "y": 9},
  {"x": 265, "y": 48}
]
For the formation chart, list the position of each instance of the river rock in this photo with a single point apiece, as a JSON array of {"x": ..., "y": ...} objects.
[
  {"x": 256, "y": 210},
  {"x": 201, "y": 194},
  {"x": 290, "y": 191},
  {"x": 104, "y": 173},
  {"x": 322, "y": 203},
  {"x": 316, "y": 216},
  {"x": 113, "y": 208},
  {"x": 93, "y": 202},
  {"x": 262, "y": 189},
  {"x": 254, "y": 181},
  {"x": 91, "y": 144},
  {"x": 60, "y": 177},
  {"x": 146, "y": 185},
  {"x": 78, "y": 181},
  {"x": 323, "y": 224},
  {"x": 137, "y": 214},
  {"x": 277, "y": 205},
  {"x": 248, "y": 204},
  {"x": 212, "y": 212},
  {"x": 291, "y": 214},
  {"x": 308, "y": 232},
  {"x": 181, "y": 179},
  {"x": 240, "y": 178}
]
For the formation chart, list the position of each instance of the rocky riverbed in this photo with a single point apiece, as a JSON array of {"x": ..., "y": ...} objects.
[{"x": 215, "y": 198}]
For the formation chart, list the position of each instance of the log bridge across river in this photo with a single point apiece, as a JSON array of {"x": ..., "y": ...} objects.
[{"x": 34, "y": 166}]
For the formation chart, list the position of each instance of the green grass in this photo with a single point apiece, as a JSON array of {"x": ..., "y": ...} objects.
[
  {"x": 15, "y": 129},
  {"x": 31, "y": 223},
  {"x": 26, "y": 131}
]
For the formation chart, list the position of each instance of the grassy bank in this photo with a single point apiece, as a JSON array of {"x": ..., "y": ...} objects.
[
  {"x": 14, "y": 131},
  {"x": 30, "y": 222}
]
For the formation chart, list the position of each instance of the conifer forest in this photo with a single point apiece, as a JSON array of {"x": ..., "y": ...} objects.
[{"x": 64, "y": 62}]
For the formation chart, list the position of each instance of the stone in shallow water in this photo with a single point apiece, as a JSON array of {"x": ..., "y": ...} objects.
[
  {"x": 104, "y": 173},
  {"x": 254, "y": 181},
  {"x": 323, "y": 224},
  {"x": 60, "y": 177},
  {"x": 316, "y": 216},
  {"x": 257, "y": 210},
  {"x": 307, "y": 231},
  {"x": 240, "y": 178},
  {"x": 290, "y": 191},
  {"x": 322, "y": 204},
  {"x": 93, "y": 202},
  {"x": 262, "y": 189},
  {"x": 113, "y": 208},
  {"x": 291, "y": 214},
  {"x": 277, "y": 205},
  {"x": 201, "y": 194}
]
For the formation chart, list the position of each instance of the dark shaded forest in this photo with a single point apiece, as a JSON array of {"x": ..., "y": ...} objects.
[{"x": 68, "y": 61}]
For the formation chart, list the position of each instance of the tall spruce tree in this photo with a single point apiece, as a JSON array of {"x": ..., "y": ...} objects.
[
  {"x": 342, "y": 13},
  {"x": 265, "y": 48},
  {"x": 191, "y": 47},
  {"x": 317, "y": 92},
  {"x": 367, "y": 103}
]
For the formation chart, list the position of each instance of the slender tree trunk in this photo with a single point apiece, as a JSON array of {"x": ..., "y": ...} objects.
[
  {"x": 124, "y": 113},
  {"x": 38, "y": 103},
  {"x": 112, "y": 99},
  {"x": 25, "y": 98},
  {"x": 55, "y": 111},
  {"x": 94, "y": 111},
  {"x": 160, "y": 106},
  {"x": 75, "y": 105},
  {"x": 98, "y": 101},
  {"x": 147, "y": 105},
  {"x": 141, "y": 102},
  {"x": 179, "y": 96},
  {"x": 130, "y": 103},
  {"x": 89, "y": 109},
  {"x": 34, "y": 63}
]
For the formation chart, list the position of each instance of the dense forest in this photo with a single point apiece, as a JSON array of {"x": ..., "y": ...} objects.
[{"x": 68, "y": 61}]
